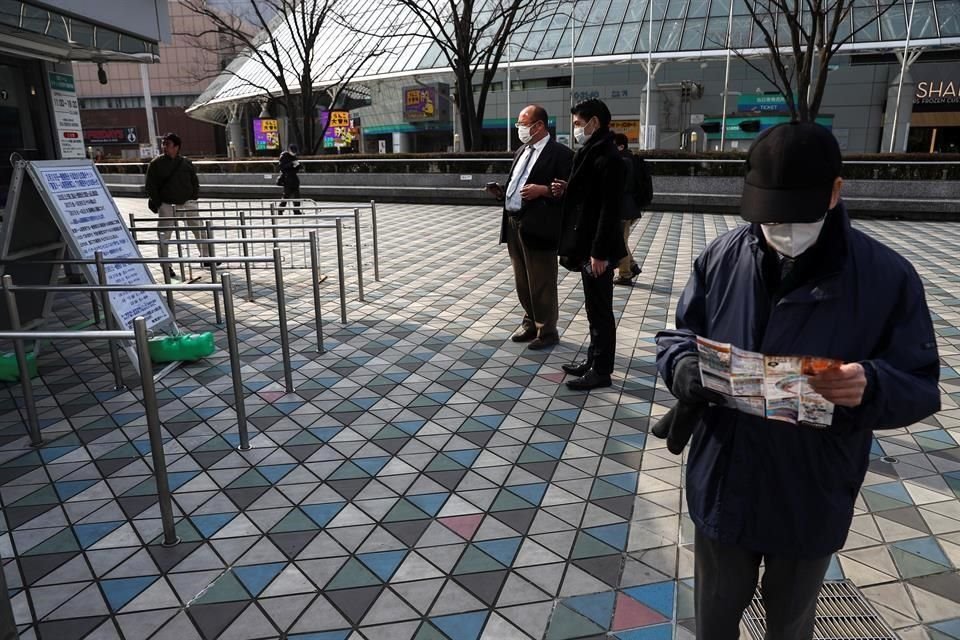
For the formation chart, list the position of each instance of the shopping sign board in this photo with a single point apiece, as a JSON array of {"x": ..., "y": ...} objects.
[
  {"x": 426, "y": 103},
  {"x": 266, "y": 134}
]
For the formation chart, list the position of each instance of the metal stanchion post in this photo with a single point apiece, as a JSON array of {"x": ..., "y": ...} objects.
[
  {"x": 153, "y": 428},
  {"x": 282, "y": 316},
  {"x": 376, "y": 244},
  {"x": 176, "y": 234},
  {"x": 356, "y": 227},
  {"x": 212, "y": 253},
  {"x": 315, "y": 279},
  {"x": 234, "y": 349},
  {"x": 33, "y": 424},
  {"x": 246, "y": 254},
  {"x": 108, "y": 315},
  {"x": 340, "y": 272},
  {"x": 96, "y": 308}
]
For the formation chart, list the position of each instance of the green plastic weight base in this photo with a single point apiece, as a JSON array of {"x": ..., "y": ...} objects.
[
  {"x": 185, "y": 348},
  {"x": 9, "y": 372}
]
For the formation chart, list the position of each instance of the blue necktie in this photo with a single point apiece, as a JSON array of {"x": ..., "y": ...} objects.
[{"x": 515, "y": 182}]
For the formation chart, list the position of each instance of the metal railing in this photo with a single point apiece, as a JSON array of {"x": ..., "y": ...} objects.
[
  {"x": 311, "y": 239},
  {"x": 233, "y": 217},
  {"x": 139, "y": 337}
]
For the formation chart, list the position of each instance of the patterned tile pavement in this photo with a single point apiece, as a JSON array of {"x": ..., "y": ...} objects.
[{"x": 428, "y": 479}]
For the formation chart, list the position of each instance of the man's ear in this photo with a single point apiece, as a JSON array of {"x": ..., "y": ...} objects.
[{"x": 835, "y": 196}]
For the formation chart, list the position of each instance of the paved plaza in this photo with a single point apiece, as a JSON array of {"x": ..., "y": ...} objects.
[{"x": 428, "y": 479}]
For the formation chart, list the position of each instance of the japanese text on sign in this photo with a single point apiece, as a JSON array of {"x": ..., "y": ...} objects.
[{"x": 91, "y": 219}]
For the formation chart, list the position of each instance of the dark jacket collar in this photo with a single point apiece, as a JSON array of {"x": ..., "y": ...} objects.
[{"x": 824, "y": 259}]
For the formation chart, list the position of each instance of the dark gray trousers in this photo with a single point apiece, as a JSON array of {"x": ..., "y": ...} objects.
[{"x": 726, "y": 577}]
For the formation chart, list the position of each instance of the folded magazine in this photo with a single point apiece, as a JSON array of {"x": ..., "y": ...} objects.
[{"x": 773, "y": 387}]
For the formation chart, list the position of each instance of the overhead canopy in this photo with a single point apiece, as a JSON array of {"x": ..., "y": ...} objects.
[
  {"x": 605, "y": 31},
  {"x": 50, "y": 34}
]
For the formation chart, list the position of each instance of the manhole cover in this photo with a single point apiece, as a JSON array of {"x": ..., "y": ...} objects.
[{"x": 842, "y": 614}]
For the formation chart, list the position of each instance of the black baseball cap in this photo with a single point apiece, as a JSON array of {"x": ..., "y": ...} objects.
[{"x": 791, "y": 169}]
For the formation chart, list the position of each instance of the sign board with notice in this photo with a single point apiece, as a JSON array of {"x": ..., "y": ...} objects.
[
  {"x": 66, "y": 115},
  {"x": 64, "y": 204}
]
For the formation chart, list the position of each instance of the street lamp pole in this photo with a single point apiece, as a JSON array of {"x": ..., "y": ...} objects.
[
  {"x": 509, "y": 86},
  {"x": 726, "y": 79},
  {"x": 646, "y": 116}
]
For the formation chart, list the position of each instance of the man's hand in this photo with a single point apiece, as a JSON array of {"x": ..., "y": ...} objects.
[
  {"x": 495, "y": 190},
  {"x": 687, "y": 387},
  {"x": 598, "y": 266},
  {"x": 558, "y": 188},
  {"x": 534, "y": 191},
  {"x": 843, "y": 385}
]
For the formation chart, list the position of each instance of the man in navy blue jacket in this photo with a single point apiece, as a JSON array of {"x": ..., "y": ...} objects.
[{"x": 797, "y": 281}]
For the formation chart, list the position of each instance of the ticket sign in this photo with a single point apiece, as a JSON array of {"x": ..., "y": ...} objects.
[{"x": 266, "y": 134}]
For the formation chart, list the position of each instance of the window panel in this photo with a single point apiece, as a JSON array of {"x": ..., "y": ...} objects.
[
  {"x": 549, "y": 45},
  {"x": 865, "y": 15},
  {"x": 740, "y": 33},
  {"x": 636, "y": 10},
  {"x": 588, "y": 38},
  {"x": 645, "y": 34},
  {"x": 924, "y": 23},
  {"x": 627, "y": 38},
  {"x": 659, "y": 8},
  {"x": 670, "y": 38},
  {"x": 716, "y": 33},
  {"x": 606, "y": 40},
  {"x": 676, "y": 8},
  {"x": 698, "y": 9},
  {"x": 719, "y": 7},
  {"x": 948, "y": 13},
  {"x": 693, "y": 34},
  {"x": 616, "y": 12},
  {"x": 893, "y": 24},
  {"x": 530, "y": 47},
  {"x": 599, "y": 12}
]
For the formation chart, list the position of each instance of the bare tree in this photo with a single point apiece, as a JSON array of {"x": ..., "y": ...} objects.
[
  {"x": 802, "y": 36},
  {"x": 472, "y": 36},
  {"x": 285, "y": 43}
]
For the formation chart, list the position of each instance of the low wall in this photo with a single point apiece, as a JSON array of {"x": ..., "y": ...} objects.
[{"x": 917, "y": 199}]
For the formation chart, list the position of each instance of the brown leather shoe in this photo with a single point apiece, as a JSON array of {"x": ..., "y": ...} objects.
[
  {"x": 543, "y": 342},
  {"x": 526, "y": 334}
]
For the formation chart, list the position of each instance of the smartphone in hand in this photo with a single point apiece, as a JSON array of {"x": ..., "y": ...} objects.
[{"x": 494, "y": 189}]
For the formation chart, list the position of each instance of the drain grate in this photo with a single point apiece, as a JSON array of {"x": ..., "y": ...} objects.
[{"x": 842, "y": 614}]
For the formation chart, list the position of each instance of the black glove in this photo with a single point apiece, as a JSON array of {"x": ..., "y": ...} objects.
[
  {"x": 677, "y": 425},
  {"x": 687, "y": 386}
]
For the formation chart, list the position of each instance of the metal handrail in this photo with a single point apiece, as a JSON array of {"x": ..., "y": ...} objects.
[{"x": 139, "y": 336}]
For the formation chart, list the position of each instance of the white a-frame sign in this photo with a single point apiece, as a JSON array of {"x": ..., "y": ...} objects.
[{"x": 58, "y": 205}]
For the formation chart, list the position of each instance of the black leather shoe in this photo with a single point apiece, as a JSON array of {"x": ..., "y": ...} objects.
[
  {"x": 577, "y": 368},
  {"x": 543, "y": 342},
  {"x": 635, "y": 269},
  {"x": 621, "y": 280},
  {"x": 590, "y": 380},
  {"x": 524, "y": 335}
]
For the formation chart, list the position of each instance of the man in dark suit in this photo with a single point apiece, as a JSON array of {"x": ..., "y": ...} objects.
[
  {"x": 531, "y": 225},
  {"x": 593, "y": 236}
]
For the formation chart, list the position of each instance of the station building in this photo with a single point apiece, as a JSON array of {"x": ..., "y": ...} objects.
[
  {"x": 703, "y": 94},
  {"x": 39, "y": 41}
]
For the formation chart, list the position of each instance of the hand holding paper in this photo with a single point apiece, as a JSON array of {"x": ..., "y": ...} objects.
[{"x": 843, "y": 385}]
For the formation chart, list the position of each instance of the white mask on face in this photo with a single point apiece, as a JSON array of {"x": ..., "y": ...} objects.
[
  {"x": 792, "y": 239},
  {"x": 523, "y": 132}
]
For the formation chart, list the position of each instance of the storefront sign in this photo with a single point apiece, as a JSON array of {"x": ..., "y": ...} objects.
[
  {"x": 266, "y": 134},
  {"x": 938, "y": 92},
  {"x": 66, "y": 115},
  {"x": 419, "y": 104},
  {"x": 629, "y": 128},
  {"x": 113, "y": 135}
]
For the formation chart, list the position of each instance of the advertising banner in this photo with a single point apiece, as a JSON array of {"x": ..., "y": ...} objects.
[{"x": 266, "y": 134}]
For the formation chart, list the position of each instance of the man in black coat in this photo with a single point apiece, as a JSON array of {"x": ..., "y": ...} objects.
[
  {"x": 531, "y": 225},
  {"x": 630, "y": 212},
  {"x": 289, "y": 168},
  {"x": 592, "y": 237}
]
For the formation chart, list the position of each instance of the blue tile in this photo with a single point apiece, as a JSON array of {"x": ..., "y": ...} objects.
[
  {"x": 383, "y": 563},
  {"x": 461, "y": 626},
  {"x": 658, "y": 596},
  {"x": 255, "y": 578},
  {"x": 122, "y": 590},
  {"x": 597, "y": 607}
]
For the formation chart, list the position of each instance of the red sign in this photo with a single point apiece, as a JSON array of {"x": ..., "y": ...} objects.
[{"x": 112, "y": 135}]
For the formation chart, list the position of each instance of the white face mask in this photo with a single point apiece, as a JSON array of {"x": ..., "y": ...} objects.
[
  {"x": 523, "y": 132},
  {"x": 580, "y": 135},
  {"x": 792, "y": 239}
]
